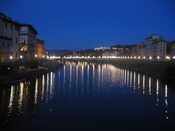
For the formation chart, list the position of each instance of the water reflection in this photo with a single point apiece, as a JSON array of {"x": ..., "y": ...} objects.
[
  {"x": 23, "y": 94},
  {"x": 89, "y": 75},
  {"x": 81, "y": 79}
]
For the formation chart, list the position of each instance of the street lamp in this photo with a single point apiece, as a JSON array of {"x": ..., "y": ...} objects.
[
  {"x": 150, "y": 57},
  {"x": 158, "y": 57},
  {"x": 21, "y": 57},
  {"x": 11, "y": 57},
  {"x": 168, "y": 58}
]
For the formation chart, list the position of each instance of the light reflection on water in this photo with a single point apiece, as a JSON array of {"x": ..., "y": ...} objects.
[
  {"x": 15, "y": 99},
  {"x": 80, "y": 79},
  {"x": 106, "y": 74}
]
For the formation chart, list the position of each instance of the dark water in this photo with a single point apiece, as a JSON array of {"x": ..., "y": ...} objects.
[{"x": 82, "y": 95}]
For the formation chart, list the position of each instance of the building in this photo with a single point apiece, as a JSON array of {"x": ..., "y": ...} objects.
[
  {"x": 124, "y": 50},
  {"x": 9, "y": 35},
  {"x": 111, "y": 53},
  {"x": 40, "y": 51},
  {"x": 154, "y": 46},
  {"x": 171, "y": 48},
  {"x": 18, "y": 41},
  {"x": 27, "y": 41},
  {"x": 102, "y": 48},
  {"x": 141, "y": 50}
]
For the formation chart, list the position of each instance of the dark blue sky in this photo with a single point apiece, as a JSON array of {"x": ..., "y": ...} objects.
[{"x": 80, "y": 24}]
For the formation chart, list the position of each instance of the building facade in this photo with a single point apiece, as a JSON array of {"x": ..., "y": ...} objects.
[
  {"x": 40, "y": 51},
  {"x": 17, "y": 41},
  {"x": 9, "y": 36},
  {"x": 154, "y": 46},
  {"x": 27, "y": 41}
]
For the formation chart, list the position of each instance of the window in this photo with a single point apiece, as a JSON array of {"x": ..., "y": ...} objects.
[
  {"x": 11, "y": 26},
  {"x": 6, "y": 25}
]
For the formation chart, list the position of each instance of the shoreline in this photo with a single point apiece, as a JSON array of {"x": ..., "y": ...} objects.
[
  {"x": 165, "y": 71},
  {"x": 17, "y": 75}
]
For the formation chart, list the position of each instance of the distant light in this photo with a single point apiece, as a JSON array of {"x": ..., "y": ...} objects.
[
  {"x": 11, "y": 57},
  {"x": 150, "y": 57},
  {"x": 168, "y": 58},
  {"x": 36, "y": 55},
  {"x": 21, "y": 57},
  {"x": 144, "y": 57},
  {"x": 158, "y": 57},
  {"x": 173, "y": 57}
]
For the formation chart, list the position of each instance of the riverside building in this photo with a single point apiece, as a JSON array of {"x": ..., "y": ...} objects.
[
  {"x": 9, "y": 35},
  {"x": 154, "y": 46},
  {"x": 17, "y": 40}
]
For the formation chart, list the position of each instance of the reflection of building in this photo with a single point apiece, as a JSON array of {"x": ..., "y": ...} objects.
[
  {"x": 39, "y": 49},
  {"x": 9, "y": 34}
]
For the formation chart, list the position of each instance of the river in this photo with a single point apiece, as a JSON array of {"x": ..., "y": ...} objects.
[{"x": 88, "y": 95}]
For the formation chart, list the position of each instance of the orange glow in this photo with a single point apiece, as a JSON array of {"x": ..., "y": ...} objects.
[{"x": 39, "y": 49}]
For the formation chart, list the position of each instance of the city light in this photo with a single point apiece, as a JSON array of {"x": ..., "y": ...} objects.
[
  {"x": 109, "y": 57},
  {"x": 11, "y": 57},
  {"x": 21, "y": 57},
  {"x": 168, "y": 58},
  {"x": 150, "y": 57},
  {"x": 158, "y": 57}
]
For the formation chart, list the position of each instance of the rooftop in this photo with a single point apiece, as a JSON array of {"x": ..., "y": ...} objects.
[{"x": 9, "y": 19}]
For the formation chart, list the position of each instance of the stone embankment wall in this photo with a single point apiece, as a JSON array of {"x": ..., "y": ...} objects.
[{"x": 164, "y": 70}]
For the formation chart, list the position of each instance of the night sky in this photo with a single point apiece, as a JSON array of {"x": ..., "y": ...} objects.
[{"x": 81, "y": 24}]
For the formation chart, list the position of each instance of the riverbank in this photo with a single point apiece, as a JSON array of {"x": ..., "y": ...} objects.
[
  {"x": 163, "y": 70},
  {"x": 13, "y": 72}
]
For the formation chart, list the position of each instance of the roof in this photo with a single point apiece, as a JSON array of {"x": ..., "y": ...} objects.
[
  {"x": 4, "y": 17},
  {"x": 31, "y": 27},
  {"x": 154, "y": 37}
]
